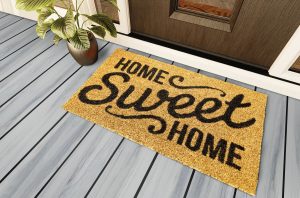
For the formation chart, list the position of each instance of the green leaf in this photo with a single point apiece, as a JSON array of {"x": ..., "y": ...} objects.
[
  {"x": 64, "y": 27},
  {"x": 105, "y": 22},
  {"x": 80, "y": 40},
  {"x": 98, "y": 30},
  {"x": 114, "y": 3},
  {"x": 33, "y": 4},
  {"x": 41, "y": 29},
  {"x": 56, "y": 39},
  {"x": 44, "y": 13}
]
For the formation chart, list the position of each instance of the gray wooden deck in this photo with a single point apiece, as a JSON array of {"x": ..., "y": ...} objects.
[{"x": 47, "y": 152}]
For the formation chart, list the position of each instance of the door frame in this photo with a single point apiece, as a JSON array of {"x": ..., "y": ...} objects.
[
  {"x": 124, "y": 18},
  {"x": 287, "y": 57},
  {"x": 88, "y": 7}
]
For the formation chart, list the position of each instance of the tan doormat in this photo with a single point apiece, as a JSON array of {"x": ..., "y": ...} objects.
[{"x": 212, "y": 126}]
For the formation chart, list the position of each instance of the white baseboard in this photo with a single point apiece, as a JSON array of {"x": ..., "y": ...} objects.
[{"x": 251, "y": 78}]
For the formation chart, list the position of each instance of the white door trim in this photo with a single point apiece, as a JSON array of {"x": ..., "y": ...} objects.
[
  {"x": 286, "y": 58},
  {"x": 251, "y": 78}
]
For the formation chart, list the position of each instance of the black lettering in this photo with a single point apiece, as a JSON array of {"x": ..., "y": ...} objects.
[
  {"x": 124, "y": 64},
  {"x": 235, "y": 103},
  {"x": 146, "y": 73},
  {"x": 199, "y": 111},
  {"x": 173, "y": 105},
  {"x": 138, "y": 104},
  {"x": 160, "y": 76},
  {"x": 106, "y": 81},
  {"x": 220, "y": 149},
  {"x": 232, "y": 155},
  {"x": 134, "y": 68},
  {"x": 181, "y": 132},
  {"x": 198, "y": 141}
]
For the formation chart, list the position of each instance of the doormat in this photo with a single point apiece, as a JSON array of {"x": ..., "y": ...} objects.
[{"x": 209, "y": 125}]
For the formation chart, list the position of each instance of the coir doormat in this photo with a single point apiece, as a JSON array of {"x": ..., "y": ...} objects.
[{"x": 212, "y": 126}]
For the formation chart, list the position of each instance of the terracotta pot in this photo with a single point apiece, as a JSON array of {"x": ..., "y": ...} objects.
[{"x": 85, "y": 57}]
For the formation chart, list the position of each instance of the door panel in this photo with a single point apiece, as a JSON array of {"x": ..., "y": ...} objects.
[
  {"x": 296, "y": 66},
  {"x": 103, "y": 6},
  {"x": 64, "y": 4},
  {"x": 260, "y": 31}
]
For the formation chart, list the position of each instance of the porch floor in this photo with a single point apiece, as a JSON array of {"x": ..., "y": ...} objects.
[{"x": 48, "y": 152}]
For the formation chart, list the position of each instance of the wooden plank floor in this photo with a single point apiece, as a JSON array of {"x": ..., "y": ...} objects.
[{"x": 48, "y": 152}]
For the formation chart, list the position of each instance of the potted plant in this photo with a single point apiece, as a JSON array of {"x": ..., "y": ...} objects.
[{"x": 81, "y": 42}]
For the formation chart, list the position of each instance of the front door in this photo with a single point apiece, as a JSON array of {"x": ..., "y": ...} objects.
[{"x": 248, "y": 31}]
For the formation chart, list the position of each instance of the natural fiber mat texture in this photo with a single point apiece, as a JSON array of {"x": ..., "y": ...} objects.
[{"x": 209, "y": 125}]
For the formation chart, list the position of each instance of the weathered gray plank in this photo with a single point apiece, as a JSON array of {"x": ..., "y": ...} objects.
[
  {"x": 80, "y": 171},
  {"x": 292, "y": 162},
  {"x": 212, "y": 75},
  {"x": 24, "y": 76},
  {"x": 16, "y": 108},
  {"x": 272, "y": 156},
  {"x": 2, "y": 14},
  {"x": 185, "y": 67},
  {"x": 15, "y": 29},
  {"x": 167, "y": 178},
  {"x": 34, "y": 171},
  {"x": 125, "y": 171},
  {"x": 16, "y": 143},
  {"x": 205, "y": 186},
  {"x": 24, "y": 55},
  {"x": 12, "y": 45},
  {"x": 8, "y": 20}
]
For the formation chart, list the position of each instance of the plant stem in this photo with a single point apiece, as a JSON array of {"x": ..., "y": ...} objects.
[
  {"x": 80, "y": 4},
  {"x": 77, "y": 21},
  {"x": 84, "y": 23},
  {"x": 77, "y": 14},
  {"x": 57, "y": 13}
]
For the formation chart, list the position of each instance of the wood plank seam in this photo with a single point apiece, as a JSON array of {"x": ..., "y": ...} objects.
[
  {"x": 7, "y": 174},
  {"x": 285, "y": 142},
  {"x": 234, "y": 193},
  {"x": 3, "y": 136},
  {"x": 51, "y": 127},
  {"x": 106, "y": 164},
  {"x": 189, "y": 184},
  {"x": 33, "y": 110},
  {"x": 11, "y": 24},
  {"x": 26, "y": 63},
  {"x": 103, "y": 169},
  {"x": 45, "y": 97},
  {"x": 20, "y": 47},
  {"x": 4, "y": 16},
  {"x": 145, "y": 176},
  {"x": 18, "y": 33},
  {"x": 1, "y": 105},
  {"x": 86, "y": 134}
]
